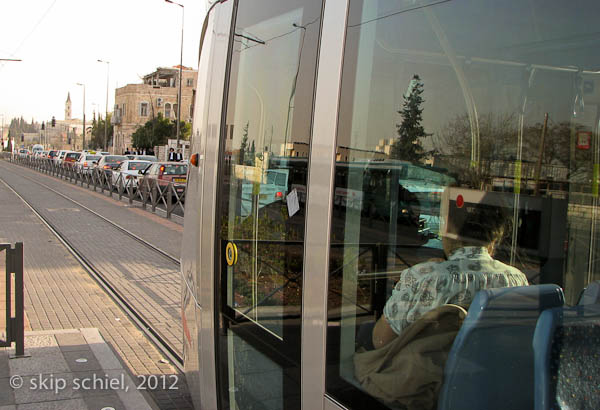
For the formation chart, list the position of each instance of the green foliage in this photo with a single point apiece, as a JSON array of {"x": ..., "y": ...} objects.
[
  {"x": 97, "y": 138},
  {"x": 157, "y": 130},
  {"x": 244, "y": 144},
  {"x": 408, "y": 146}
]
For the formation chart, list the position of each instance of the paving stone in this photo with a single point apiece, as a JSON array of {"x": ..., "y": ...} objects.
[
  {"x": 59, "y": 294},
  {"x": 7, "y": 396},
  {"x": 73, "y": 404}
]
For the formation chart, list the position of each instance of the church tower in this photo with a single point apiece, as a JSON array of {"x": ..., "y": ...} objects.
[{"x": 68, "y": 107}]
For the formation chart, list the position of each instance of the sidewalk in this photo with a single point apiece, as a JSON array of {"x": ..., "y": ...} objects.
[
  {"x": 150, "y": 282},
  {"x": 68, "y": 369},
  {"x": 59, "y": 294}
]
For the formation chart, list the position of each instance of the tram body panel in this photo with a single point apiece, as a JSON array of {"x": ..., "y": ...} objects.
[
  {"x": 206, "y": 275},
  {"x": 319, "y": 208},
  {"x": 190, "y": 260},
  {"x": 359, "y": 217},
  {"x": 196, "y": 256}
]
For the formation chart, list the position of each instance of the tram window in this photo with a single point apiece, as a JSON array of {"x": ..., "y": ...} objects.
[
  {"x": 261, "y": 213},
  {"x": 467, "y": 157}
]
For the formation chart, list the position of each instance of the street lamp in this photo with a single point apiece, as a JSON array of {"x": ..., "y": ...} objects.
[
  {"x": 83, "y": 137},
  {"x": 180, "y": 72},
  {"x": 106, "y": 110}
]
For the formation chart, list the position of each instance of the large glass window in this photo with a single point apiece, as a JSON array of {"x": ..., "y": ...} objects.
[
  {"x": 467, "y": 162},
  {"x": 261, "y": 211}
]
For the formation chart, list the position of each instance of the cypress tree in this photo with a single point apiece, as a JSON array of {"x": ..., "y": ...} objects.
[{"x": 408, "y": 146}]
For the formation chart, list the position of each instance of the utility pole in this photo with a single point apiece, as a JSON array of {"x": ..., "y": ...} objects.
[
  {"x": 106, "y": 108},
  {"x": 180, "y": 72},
  {"x": 83, "y": 135}
]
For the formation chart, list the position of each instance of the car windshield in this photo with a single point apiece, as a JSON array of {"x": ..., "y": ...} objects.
[
  {"x": 73, "y": 155},
  {"x": 147, "y": 158},
  {"x": 175, "y": 170},
  {"x": 92, "y": 157},
  {"x": 138, "y": 165},
  {"x": 276, "y": 178}
]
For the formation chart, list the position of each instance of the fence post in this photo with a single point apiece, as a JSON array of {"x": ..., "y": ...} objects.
[
  {"x": 169, "y": 200},
  {"x": 18, "y": 326},
  {"x": 15, "y": 326}
]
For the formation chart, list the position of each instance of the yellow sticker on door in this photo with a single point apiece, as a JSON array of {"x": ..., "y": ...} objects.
[{"x": 231, "y": 254}]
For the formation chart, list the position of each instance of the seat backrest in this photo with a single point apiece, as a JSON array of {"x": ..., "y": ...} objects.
[
  {"x": 591, "y": 294},
  {"x": 490, "y": 365},
  {"x": 566, "y": 348}
]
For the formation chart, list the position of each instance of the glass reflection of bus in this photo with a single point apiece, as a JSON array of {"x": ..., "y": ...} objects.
[{"x": 376, "y": 138}]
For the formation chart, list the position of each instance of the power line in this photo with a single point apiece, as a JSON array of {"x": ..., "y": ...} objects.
[
  {"x": 32, "y": 30},
  {"x": 399, "y": 12}
]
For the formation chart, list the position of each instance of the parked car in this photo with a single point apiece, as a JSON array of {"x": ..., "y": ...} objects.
[
  {"x": 23, "y": 153},
  {"x": 52, "y": 154},
  {"x": 129, "y": 170},
  {"x": 150, "y": 158},
  {"x": 109, "y": 162},
  {"x": 61, "y": 155},
  {"x": 86, "y": 162},
  {"x": 70, "y": 158},
  {"x": 162, "y": 173}
]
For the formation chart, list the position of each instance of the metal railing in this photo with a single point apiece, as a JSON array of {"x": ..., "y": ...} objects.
[
  {"x": 155, "y": 193},
  {"x": 15, "y": 318}
]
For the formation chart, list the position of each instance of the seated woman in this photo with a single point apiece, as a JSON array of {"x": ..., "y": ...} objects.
[{"x": 469, "y": 268}]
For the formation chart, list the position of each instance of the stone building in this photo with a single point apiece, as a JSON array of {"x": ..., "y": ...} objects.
[
  {"x": 66, "y": 133},
  {"x": 135, "y": 104}
]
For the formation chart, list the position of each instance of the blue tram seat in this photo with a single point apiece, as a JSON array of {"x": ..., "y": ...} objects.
[
  {"x": 591, "y": 294},
  {"x": 566, "y": 348},
  {"x": 490, "y": 365}
]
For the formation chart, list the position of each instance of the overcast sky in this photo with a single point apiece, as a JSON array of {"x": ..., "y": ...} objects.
[{"x": 60, "y": 42}]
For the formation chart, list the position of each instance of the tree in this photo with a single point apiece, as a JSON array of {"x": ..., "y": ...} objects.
[
  {"x": 410, "y": 131},
  {"x": 244, "y": 144},
  {"x": 154, "y": 132},
  {"x": 97, "y": 139}
]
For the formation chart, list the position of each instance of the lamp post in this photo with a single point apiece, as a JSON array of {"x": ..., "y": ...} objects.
[
  {"x": 106, "y": 109},
  {"x": 180, "y": 72},
  {"x": 83, "y": 135}
]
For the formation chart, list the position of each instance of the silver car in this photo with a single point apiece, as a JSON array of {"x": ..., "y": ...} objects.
[{"x": 86, "y": 163}]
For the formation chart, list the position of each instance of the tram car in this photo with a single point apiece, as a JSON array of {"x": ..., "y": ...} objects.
[{"x": 392, "y": 204}]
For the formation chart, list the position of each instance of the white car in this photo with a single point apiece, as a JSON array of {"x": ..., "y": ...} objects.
[
  {"x": 61, "y": 155},
  {"x": 86, "y": 162},
  {"x": 129, "y": 171}
]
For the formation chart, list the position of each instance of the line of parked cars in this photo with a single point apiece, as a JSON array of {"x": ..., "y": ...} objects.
[{"x": 143, "y": 171}]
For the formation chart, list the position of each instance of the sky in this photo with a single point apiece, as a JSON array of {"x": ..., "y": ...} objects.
[{"x": 60, "y": 41}]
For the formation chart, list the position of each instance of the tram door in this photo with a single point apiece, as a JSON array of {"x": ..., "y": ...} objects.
[{"x": 265, "y": 143}]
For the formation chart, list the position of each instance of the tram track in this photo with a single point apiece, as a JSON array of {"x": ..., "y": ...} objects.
[
  {"x": 119, "y": 227},
  {"x": 143, "y": 323}
]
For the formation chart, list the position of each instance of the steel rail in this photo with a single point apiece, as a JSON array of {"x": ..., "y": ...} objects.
[
  {"x": 122, "y": 229},
  {"x": 153, "y": 334}
]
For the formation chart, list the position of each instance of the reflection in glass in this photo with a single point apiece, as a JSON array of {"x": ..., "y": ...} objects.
[
  {"x": 265, "y": 148},
  {"x": 446, "y": 109}
]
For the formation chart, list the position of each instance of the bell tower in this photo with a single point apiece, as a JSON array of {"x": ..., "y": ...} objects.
[{"x": 68, "y": 107}]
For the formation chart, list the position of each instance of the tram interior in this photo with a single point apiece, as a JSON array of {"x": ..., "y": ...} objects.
[{"x": 509, "y": 121}]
